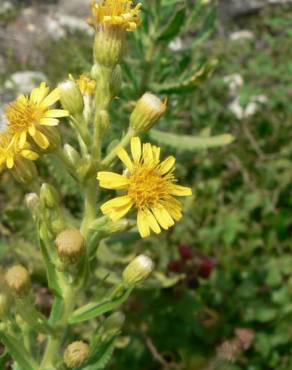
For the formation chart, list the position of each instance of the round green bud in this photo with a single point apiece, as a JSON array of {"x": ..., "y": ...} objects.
[
  {"x": 70, "y": 246},
  {"x": 138, "y": 270},
  {"x": 76, "y": 354},
  {"x": 18, "y": 280}
]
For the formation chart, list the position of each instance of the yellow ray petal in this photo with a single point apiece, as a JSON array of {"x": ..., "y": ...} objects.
[
  {"x": 52, "y": 98},
  {"x": 56, "y": 113},
  {"x": 116, "y": 203},
  {"x": 153, "y": 224},
  {"x": 29, "y": 154},
  {"x": 142, "y": 224},
  {"x": 120, "y": 213},
  {"x": 111, "y": 180},
  {"x": 147, "y": 154},
  {"x": 136, "y": 149},
  {"x": 180, "y": 191},
  {"x": 9, "y": 162},
  {"x": 166, "y": 165},
  {"x": 162, "y": 216},
  {"x": 49, "y": 122},
  {"x": 124, "y": 157},
  {"x": 22, "y": 139},
  {"x": 41, "y": 140}
]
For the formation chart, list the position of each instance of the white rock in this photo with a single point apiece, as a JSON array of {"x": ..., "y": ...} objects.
[
  {"x": 54, "y": 29},
  {"x": 24, "y": 82},
  {"x": 251, "y": 109},
  {"x": 176, "y": 44},
  {"x": 74, "y": 23},
  {"x": 236, "y": 109},
  {"x": 234, "y": 82},
  {"x": 241, "y": 35}
]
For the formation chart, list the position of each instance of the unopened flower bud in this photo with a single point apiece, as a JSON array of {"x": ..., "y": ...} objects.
[
  {"x": 72, "y": 154},
  {"x": 147, "y": 112},
  {"x": 33, "y": 203},
  {"x": 71, "y": 97},
  {"x": 24, "y": 171},
  {"x": 138, "y": 270},
  {"x": 4, "y": 305},
  {"x": 108, "y": 46},
  {"x": 18, "y": 280},
  {"x": 49, "y": 196},
  {"x": 70, "y": 246},
  {"x": 114, "y": 322},
  {"x": 76, "y": 354}
]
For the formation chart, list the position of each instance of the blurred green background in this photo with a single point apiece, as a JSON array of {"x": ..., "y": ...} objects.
[{"x": 221, "y": 296}]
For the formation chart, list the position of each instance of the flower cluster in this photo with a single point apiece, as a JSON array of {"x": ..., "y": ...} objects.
[
  {"x": 150, "y": 188},
  {"x": 117, "y": 13},
  {"x": 25, "y": 121}
]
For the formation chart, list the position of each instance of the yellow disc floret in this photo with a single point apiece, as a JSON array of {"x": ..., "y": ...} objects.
[
  {"x": 120, "y": 13},
  {"x": 27, "y": 114},
  {"x": 150, "y": 188}
]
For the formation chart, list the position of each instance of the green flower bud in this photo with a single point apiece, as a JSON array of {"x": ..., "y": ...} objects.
[
  {"x": 114, "y": 322},
  {"x": 71, "y": 97},
  {"x": 138, "y": 270},
  {"x": 147, "y": 112},
  {"x": 108, "y": 46},
  {"x": 70, "y": 246},
  {"x": 33, "y": 203},
  {"x": 72, "y": 154},
  {"x": 76, "y": 354},
  {"x": 18, "y": 280},
  {"x": 24, "y": 171},
  {"x": 49, "y": 196}
]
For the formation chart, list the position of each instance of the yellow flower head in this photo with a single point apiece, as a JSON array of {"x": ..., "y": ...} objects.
[
  {"x": 150, "y": 187},
  {"x": 27, "y": 114},
  {"x": 9, "y": 152},
  {"x": 86, "y": 85},
  {"x": 120, "y": 13}
]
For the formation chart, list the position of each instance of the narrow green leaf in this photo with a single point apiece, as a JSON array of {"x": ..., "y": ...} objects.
[
  {"x": 190, "y": 143},
  {"x": 186, "y": 84},
  {"x": 98, "y": 308},
  {"x": 101, "y": 356},
  {"x": 17, "y": 351},
  {"x": 173, "y": 27},
  {"x": 53, "y": 280}
]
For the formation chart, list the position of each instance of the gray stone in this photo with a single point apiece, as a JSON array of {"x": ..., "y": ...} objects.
[
  {"x": 234, "y": 8},
  {"x": 24, "y": 82},
  {"x": 76, "y": 8}
]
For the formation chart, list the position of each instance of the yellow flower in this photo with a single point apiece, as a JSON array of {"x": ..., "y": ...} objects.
[
  {"x": 150, "y": 188},
  {"x": 86, "y": 85},
  {"x": 9, "y": 152},
  {"x": 120, "y": 13},
  {"x": 27, "y": 114}
]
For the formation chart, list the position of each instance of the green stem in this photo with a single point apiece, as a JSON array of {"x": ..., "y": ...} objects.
[
  {"x": 90, "y": 210},
  {"x": 112, "y": 154},
  {"x": 59, "y": 153},
  {"x": 54, "y": 342}
]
